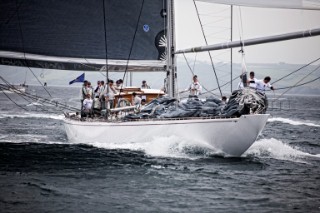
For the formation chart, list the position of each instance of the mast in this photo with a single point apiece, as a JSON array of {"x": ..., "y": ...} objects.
[
  {"x": 231, "y": 38},
  {"x": 171, "y": 59}
]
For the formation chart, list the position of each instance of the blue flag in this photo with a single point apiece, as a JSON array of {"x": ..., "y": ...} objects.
[{"x": 80, "y": 78}]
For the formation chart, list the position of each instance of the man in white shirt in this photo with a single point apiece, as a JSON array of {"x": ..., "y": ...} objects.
[
  {"x": 136, "y": 100},
  {"x": 83, "y": 92},
  {"x": 262, "y": 84},
  {"x": 195, "y": 88},
  {"x": 87, "y": 105},
  {"x": 252, "y": 80},
  {"x": 109, "y": 93}
]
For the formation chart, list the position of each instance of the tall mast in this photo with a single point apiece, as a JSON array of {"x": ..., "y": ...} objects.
[
  {"x": 231, "y": 37},
  {"x": 171, "y": 59}
]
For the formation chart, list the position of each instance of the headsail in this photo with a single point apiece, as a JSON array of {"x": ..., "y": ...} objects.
[
  {"x": 70, "y": 34},
  {"x": 285, "y": 4}
]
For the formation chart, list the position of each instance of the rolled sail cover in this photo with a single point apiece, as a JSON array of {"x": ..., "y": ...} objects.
[{"x": 62, "y": 32}]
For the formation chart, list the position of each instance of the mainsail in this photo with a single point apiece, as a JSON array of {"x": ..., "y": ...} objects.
[{"x": 71, "y": 34}]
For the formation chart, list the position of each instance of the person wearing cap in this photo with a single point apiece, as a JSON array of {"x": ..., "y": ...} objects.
[
  {"x": 145, "y": 85},
  {"x": 195, "y": 87}
]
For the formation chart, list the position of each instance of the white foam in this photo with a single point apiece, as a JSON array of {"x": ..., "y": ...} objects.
[
  {"x": 292, "y": 122},
  {"x": 173, "y": 147},
  {"x": 35, "y": 104},
  {"x": 273, "y": 148},
  {"x": 33, "y": 115}
]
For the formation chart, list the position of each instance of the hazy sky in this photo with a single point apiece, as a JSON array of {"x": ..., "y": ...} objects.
[{"x": 256, "y": 22}]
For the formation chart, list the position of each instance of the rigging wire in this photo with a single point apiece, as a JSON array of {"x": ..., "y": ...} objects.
[
  {"x": 298, "y": 82},
  {"x": 8, "y": 87},
  {"x": 105, "y": 42},
  {"x": 26, "y": 95},
  {"x": 296, "y": 70},
  {"x": 2, "y": 90},
  {"x": 212, "y": 64},
  {"x": 298, "y": 85},
  {"x": 23, "y": 47},
  {"x": 280, "y": 78},
  {"x": 307, "y": 82},
  {"x": 132, "y": 43},
  {"x": 192, "y": 71},
  {"x": 221, "y": 85},
  {"x": 240, "y": 27},
  {"x": 194, "y": 61},
  {"x": 14, "y": 90}
]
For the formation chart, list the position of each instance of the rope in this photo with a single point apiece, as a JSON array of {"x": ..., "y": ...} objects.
[
  {"x": 308, "y": 82},
  {"x": 2, "y": 90},
  {"x": 105, "y": 40},
  {"x": 298, "y": 82},
  {"x": 188, "y": 64},
  {"x": 193, "y": 74},
  {"x": 10, "y": 86},
  {"x": 24, "y": 52},
  {"x": 296, "y": 70},
  {"x": 194, "y": 61},
  {"x": 133, "y": 39},
  {"x": 40, "y": 99},
  {"x": 204, "y": 36},
  {"x": 222, "y": 85},
  {"x": 241, "y": 29}
]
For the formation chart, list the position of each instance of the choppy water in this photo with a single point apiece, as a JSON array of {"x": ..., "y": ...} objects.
[{"x": 41, "y": 172}]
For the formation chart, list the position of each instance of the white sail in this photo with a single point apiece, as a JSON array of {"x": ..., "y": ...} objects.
[{"x": 285, "y": 4}]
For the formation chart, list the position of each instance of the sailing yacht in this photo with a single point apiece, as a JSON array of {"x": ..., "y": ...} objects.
[{"x": 121, "y": 36}]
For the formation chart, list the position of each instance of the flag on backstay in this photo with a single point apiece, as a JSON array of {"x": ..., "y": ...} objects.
[{"x": 80, "y": 78}]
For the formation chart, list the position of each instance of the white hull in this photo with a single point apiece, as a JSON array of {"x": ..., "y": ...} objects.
[{"x": 232, "y": 136}]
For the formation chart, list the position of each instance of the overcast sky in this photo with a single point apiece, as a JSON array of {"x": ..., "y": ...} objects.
[{"x": 256, "y": 22}]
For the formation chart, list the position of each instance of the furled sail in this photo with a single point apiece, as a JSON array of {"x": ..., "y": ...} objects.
[
  {"x": 285, "y": 4},
  {"x": 71, "y": 35}
]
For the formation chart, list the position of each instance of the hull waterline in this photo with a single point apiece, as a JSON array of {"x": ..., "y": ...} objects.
[{"x": 232, "y": 136}]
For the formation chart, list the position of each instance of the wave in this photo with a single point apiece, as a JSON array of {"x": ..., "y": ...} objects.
[
  {"x": 173, "y": 147},
  {"x": 32, "y": 115},
  {"x": 273, "y": 148},
  {"x": 292, "y": 122}
]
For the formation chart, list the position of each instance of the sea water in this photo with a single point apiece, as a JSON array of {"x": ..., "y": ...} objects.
[{"x": 40, "y": 171}]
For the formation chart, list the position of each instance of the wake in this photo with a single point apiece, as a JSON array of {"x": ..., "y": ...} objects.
[
  {"x": 276, "y": 149},
  {"x": 33, "y": 115},
  {"x": 292, "y": 122}
]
